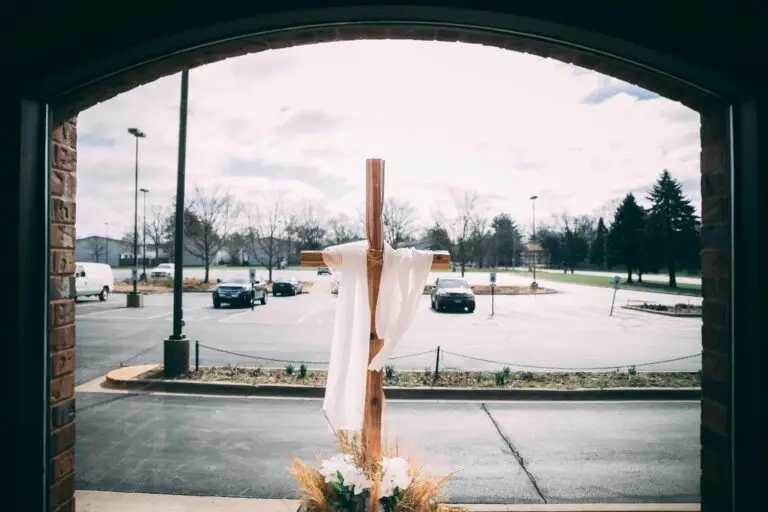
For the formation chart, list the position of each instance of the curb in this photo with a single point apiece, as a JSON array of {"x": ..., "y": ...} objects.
[
  {"x": 116, "y": 381},
  {"x": 664, "y": 313}
]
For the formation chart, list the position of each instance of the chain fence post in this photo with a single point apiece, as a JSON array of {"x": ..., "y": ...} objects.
[
  {"x": 437, "y": 365},
  {"x": 197, "y": 355}
]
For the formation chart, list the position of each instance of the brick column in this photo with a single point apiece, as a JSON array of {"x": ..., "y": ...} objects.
[
  {"x": 62, "y": 316},
  {"x": 716, "y": 331}
]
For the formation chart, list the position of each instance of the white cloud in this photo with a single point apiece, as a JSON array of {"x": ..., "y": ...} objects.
[{"x": 442, "y": 115}]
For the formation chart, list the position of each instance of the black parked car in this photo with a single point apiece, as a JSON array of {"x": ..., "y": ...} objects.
[
  {"x": 452, "y": 292},
  {"x": 323, "y": 271},
  {"x": 287, "y": 286},
  {"x": 238, "y": 291}
]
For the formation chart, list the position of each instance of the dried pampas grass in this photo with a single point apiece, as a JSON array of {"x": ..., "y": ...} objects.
[{"x": 422, "y": 495}]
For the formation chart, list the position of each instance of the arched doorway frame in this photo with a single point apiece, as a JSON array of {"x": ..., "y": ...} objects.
[{"x": 729, "y": 115}]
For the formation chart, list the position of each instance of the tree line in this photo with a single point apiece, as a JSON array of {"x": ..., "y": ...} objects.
[{"x": 271, "y": 231}]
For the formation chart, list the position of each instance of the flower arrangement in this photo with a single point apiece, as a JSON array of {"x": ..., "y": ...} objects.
[{"x": 343, "y": 484}]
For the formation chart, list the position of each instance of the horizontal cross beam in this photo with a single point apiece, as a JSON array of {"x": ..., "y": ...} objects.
[{"x": 440, "y": 259}]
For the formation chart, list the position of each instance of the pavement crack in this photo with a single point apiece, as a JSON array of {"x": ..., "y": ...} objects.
[{"x": 515, "y": 453}]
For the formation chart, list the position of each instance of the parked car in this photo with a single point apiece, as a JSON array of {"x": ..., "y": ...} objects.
[
  {"x": 452, "y": 292},
  {"x": 238, "y": 291},
  {"x": 94, "y": 279},
  {"x": 323, "y": 271},
  {"x": 287, "y": 286},
  {"x": 162, "y": 270}
]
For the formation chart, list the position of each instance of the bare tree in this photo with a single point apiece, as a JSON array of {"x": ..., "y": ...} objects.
[
  {"x": 266, "y": 233},
  {"x": 341, "y": 230},
  {"x": 97, "y": 246},
  {"x": 291, "y": 231},
  {"x": 206, "y": 224},
  {"x": 466, "y": 206},
  {"x": 157, "y": 229},
  {"x": 235, "y": 245},
  {"x": 398, "y": 217},
  {"x": 309, "y": 229}
]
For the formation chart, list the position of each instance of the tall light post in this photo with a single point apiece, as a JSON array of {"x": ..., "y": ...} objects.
[
  {"x": 106, "y": 242},
  {"x": 134, "y": 299},
  {"x": 535, "y": 251},
  {"x": 144, "y": 237},
  {"x": 176, "y": 346}
]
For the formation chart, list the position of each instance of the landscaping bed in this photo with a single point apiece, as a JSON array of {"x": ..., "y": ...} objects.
[
  {"x": 686, "y": 310},
  {"x": 484, "y": 289},
  {"x": 503, "y": 379},
  {"x": 189, "y": 285}
]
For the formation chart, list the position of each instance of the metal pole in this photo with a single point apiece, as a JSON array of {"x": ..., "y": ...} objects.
[
  {"x": 136, "y": 221},
  {"x": 106, "y": 241},
  {"x": 535, "y": 250},
  {"x": 144, "y": 238},
  {"x": 437, "y": 365},
  {"x": 613, "y": 301},
  {"x": 178, "y": 238},
  {"x": 493, "y": 299},
  {"x": 197, "y": 355}
]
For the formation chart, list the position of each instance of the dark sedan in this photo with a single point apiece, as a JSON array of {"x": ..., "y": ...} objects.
[
  {"x": 449, "y": 293},
  {"x": 239, "y": 291},
  {"x": 287, "y": 286}
]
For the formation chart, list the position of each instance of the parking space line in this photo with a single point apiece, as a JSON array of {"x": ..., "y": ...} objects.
[{"x": 233, "y": 315}]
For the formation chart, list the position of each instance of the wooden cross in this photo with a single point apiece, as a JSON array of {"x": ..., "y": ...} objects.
[{"x": 374, "y": 392}]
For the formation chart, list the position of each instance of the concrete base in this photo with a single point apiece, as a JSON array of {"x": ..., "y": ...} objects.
[
  {"x": 175, "y": 357},
  {"x": 134, "y": 300}
]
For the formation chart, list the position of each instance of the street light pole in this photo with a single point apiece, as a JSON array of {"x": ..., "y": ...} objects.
[
  {"x": 144, "y": 237},
  {"x": 535, "y": 250},
  {"x": 176, "y": 346},
  {"x": 135, "y": 301}
]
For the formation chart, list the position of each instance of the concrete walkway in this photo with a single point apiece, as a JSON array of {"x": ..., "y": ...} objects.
[{"x": 100, "y": 501}]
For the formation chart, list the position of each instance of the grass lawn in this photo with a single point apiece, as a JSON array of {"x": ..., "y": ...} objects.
[
  {"x": 605, "y": 281},
  {"x": 454, "y": 379}
]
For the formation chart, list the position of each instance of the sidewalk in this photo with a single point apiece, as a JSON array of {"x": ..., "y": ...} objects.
[{"x": 101, "y": 501}]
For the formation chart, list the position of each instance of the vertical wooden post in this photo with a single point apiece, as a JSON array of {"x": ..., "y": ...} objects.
[{"x": 374, "y": 392}]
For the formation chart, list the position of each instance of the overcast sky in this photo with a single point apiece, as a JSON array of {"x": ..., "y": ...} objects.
[{"x": 444, "y": 116}]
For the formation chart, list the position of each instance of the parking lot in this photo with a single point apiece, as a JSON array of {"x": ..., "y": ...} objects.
[{"x": 568, "y": 330}]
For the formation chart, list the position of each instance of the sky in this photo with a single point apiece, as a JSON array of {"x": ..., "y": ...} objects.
[{"x": 298, "y": 123}]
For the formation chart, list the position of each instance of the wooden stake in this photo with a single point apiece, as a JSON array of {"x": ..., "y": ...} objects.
[{"x": 374, "y": 392}]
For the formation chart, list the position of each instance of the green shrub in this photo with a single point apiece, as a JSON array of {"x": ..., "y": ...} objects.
[
  {"x": 501, "y": 379},
  {"x": 289, "y": 369},
  {"x": 480, "y": 378},
  {"x": 302, "y": 371},
  {"x": 632, "y": 371},
  {"x": 527, "y": 376},
  {"x": 389, "y": 372},
  {"x": 507, "y": 372}
]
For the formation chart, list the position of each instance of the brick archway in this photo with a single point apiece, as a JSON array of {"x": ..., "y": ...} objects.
[{"x": 91, "y": 87}]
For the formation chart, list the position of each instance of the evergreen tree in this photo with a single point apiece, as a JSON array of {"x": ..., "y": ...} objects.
[
  {"x": 597, "y": 250},
  {"x": 673, "y": 226},
  {"x": 507, "y": 239},
  {"x": 625, "y": 238}
]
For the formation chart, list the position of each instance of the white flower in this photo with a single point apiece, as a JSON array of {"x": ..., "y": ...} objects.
[
  {"x": 331, "y": 468},
  {"x": 352, "y": 477},
  {"x": 395, "y": 475},
  {"x": 355, "y": 479}
]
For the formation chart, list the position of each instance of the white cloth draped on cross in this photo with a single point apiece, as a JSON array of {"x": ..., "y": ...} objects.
[{"x": 404, "y": 274}]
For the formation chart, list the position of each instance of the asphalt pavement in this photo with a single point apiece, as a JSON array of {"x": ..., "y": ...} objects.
[
  {"x": 567, "y": 330},
  {"x": 524, "y": 452}
]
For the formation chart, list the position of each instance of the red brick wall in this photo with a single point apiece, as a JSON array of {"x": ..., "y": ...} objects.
[
  {"x": 716, "y": 331},
  {"x": 62, "y": 316}
]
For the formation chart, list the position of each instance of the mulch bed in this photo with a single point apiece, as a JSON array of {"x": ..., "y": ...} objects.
[
  {"x": 456, "y": 379},
  {"x": 685, "y": 310}
]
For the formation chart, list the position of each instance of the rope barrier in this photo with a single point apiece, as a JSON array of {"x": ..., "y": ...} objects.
[
  {"x": 537, "y": 367},
  {"x": 474, "y": 358}
]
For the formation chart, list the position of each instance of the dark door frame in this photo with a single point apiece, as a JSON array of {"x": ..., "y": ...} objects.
[{"x": 30, "y": 129}]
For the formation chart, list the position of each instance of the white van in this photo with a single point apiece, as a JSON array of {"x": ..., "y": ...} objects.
[{"x": 94, "y": 279}]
